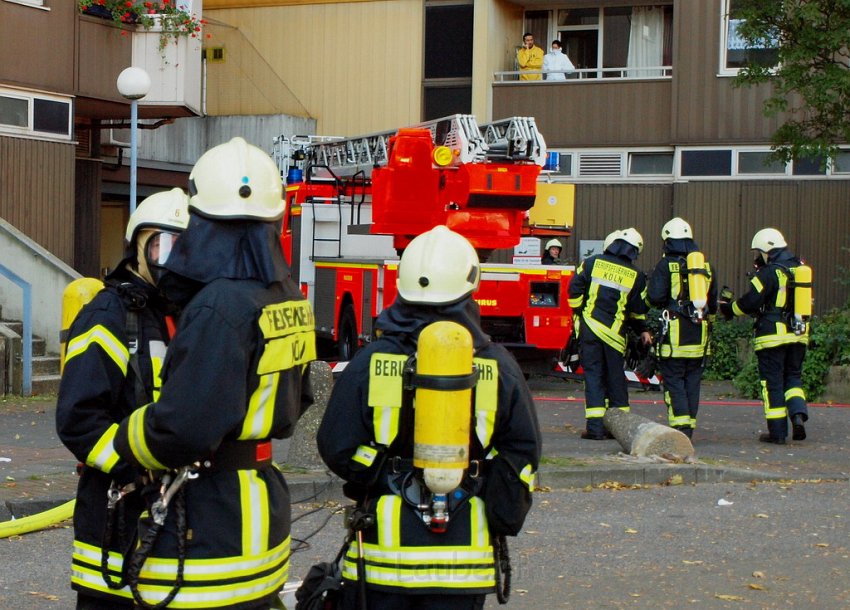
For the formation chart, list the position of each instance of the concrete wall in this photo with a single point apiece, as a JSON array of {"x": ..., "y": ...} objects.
[{"x": 48, "y": 276}]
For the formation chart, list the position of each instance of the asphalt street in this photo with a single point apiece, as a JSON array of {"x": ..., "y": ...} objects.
[{"x": 771, "y": 531}]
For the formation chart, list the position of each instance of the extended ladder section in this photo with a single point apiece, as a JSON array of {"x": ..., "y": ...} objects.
[{"x": 514, "y": 140}]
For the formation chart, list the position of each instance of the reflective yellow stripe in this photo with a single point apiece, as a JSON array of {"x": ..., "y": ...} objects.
[
  {"x": 386, "y": 394},
  {"x": 389, "y": 521},
  {"x": 624, "y": 408},
  {"x": 217, "y": 583},
  {"x": 782, "y": 290},
  {"x": 675, "y": 280},
  {"x": 365, "y": 455},
  {"x": 737, "y": 310},
  {"x": 757, "y": 285},
  {"x": 254, "y": 496},
  {"x": 259, "y": 417},
  {"x": 103, "y": 455},
  {"x": 780, "y": 337},
  {"x": 413, "y": 567},
  {"x": 673, "y": 419},
  {"x": 576, "y": 302},
  {"x": 479, "y": 531},
  {"x": 795, "y": 393},
  {"x": 486, "y": 399},
  {"x": 157, "y": 358},
  {"x": 136, "y": 439},
  {"x": 610, "y": 336},
  {"x": 527, "y": 475},
  {"x": 89, "y": 574},
  {"x": 594, "y": 412},
  {"x": 771, "y": 412},
  {"x": 100, "y": 335}
]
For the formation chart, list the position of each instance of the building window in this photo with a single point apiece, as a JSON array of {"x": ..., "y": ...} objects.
[
  {"x": 735, "y": 52},
  {"x": 447, "y": 83},
  {"x": 706, "y": 163},
  {"x": 651, "y": 164},
  {"x": 35, "y": 114},
  {"x": 617, "y": 42},
  {"x": 809, "y": 167},
  {"x": 841, "y": 162},
  {"x": 757, "y": 162}
]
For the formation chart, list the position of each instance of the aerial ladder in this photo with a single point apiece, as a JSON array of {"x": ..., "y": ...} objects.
[{"x": 511, "y": 140}]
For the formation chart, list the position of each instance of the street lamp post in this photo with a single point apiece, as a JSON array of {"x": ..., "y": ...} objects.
[{"x": 133, "y": 84}]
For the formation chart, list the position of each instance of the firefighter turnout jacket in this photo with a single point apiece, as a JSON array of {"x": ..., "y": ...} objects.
[
  {"x": 366, "y": 437},
  {"x": 116, "y": 347},
  {"x": 232, "y": 380},
  {"x": 770, "y": 299},
  {"x": 609, "y": 293},
  {"x": 682, "y": 336}
]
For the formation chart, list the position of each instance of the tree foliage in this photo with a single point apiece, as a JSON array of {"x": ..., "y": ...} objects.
[{"x": 811, "y": 82}]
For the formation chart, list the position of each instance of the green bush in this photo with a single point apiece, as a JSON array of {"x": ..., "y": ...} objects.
[
  {"x": 829, "y": 345},
  {"x": 724, "y": 361}
]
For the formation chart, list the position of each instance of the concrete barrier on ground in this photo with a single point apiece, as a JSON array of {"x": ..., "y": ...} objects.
[{"x": 642, "y": 437}]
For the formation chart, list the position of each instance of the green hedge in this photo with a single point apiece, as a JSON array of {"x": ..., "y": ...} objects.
[{"x": 829, "y": 345}]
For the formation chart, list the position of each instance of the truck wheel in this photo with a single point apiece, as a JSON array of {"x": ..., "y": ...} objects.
[{"x": 347, "y": 344}]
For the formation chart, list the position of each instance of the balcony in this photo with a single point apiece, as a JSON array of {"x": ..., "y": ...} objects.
[
  {"x": 106, "y": 48},
  {"x": 625, "y": 106}
]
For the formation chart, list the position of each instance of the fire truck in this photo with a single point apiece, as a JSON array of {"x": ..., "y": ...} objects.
[{"x": 353, "y": 205}]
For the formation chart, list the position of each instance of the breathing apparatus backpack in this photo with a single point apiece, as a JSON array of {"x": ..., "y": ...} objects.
[
  {"x": 799, "y": 288},
  {"x": 697, "y": 281},
  {"x": 76, "y": 295}
]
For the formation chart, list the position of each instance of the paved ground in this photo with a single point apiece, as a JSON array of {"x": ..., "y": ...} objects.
[{"x": 36, "y": 470}]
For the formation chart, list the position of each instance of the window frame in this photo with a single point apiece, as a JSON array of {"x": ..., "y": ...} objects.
[
  {"x": 29, "y": 130},
  {"x": 723, "y": 69}
]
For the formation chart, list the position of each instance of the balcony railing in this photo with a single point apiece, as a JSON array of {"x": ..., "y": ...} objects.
[{"x": 595, "y": 74}]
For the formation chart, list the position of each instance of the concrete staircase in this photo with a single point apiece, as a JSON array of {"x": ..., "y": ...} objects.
[{"x": 45, "y": 367}]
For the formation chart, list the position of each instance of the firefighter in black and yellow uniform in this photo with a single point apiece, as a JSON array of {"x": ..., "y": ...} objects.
[
  {"x": 218, "y": 535},
  {"x": 780, "y": 340},
  {"x": 367, "y": 438},
  {"x": 607, "y": 295},
  {"x": 115, "y": 350},
  {"x": 684, "y": 288}
]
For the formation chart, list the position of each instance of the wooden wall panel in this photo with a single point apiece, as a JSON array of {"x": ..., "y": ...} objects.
[{"x": 37, "y": 192}]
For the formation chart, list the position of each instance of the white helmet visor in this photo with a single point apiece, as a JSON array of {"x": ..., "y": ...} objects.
[{"x": 159, "y": 247}]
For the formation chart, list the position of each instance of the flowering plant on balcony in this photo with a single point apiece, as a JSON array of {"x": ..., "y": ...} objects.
[{"x": 172, "y": 20}]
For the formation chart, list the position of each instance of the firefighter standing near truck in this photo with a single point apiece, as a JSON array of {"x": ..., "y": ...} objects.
[
  {"x": 607, "y": 296},
  {"x": 217, "y": 531},
  {"x": 684, "y": 287},
  {"x": 115, "y": 350},
  {"x": 419, "y": 546},
  {"x": 779, "y": 298}
]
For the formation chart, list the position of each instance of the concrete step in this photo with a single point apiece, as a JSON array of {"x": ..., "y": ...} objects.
[
  {"x": 38, "y": 343},
  {"x": 43, "y": 385},
  {"x": 45, "y": 365}
]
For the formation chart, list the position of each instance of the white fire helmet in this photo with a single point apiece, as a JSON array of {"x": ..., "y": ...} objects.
[
  {"x": 437, "y": 268},
  {"x": 676, "y": 228},
  {"x": 236, "y": 180},
  {"x": 768, "y": 239}
]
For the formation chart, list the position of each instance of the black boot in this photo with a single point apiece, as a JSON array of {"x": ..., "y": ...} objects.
[
  {"x": 798, "y": 430},
  {"x": 767, "y": 438},
  {"x": 689, "y": 432},
  {"x": 589, "y": 435}
]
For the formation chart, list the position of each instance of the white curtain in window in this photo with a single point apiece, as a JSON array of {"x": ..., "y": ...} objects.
[{"x": 646, "y": 41}]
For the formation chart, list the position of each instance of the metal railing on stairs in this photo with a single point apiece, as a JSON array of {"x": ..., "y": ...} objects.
[{"x": 26, "y": 338}]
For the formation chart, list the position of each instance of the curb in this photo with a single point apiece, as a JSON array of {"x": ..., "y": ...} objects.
[{"x": 321, "y": 487}]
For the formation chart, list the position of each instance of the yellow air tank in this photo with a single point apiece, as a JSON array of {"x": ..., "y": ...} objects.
[
  {"x": 697, "y": 282},
  {"x": 74, "y": 298},
  {"x": 802, "y": 294},
  {"x": 442, "y": 421}
]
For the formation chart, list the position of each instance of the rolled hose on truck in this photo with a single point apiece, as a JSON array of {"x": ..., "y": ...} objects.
[{"x": 37, "y": 522}]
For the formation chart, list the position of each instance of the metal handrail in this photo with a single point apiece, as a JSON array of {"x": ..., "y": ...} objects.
[
  {"x": 26, "y": 339},
  {"x": 594, "y": 74}
]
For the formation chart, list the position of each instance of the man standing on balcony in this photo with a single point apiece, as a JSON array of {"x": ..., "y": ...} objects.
[
  {"x": 556, "y": 64},
  {"x": 529, "y": 57}
]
